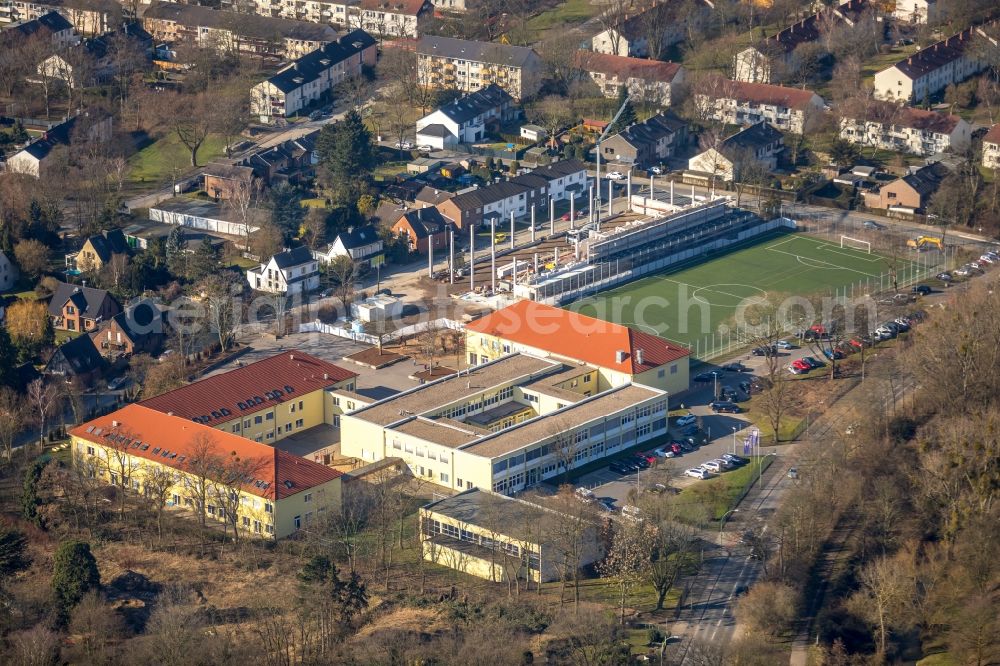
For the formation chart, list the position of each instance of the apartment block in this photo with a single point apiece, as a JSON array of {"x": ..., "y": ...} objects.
[
  {"x": 445, "y": 62},
  {"x": 743, "y": 103},
  {"x": 907, "y": 130}
]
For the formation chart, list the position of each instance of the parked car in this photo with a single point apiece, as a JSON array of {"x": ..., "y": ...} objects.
[
  {"x": 872, "y": 225},
  {"x": 315, "y": 115},
  {"x": 403, "y": 145},
  {"x": 730, "y": 394},
  {"x": 620, "y": 467},
  {"x": 685, "y": 420},
  {"x": 585, "y": 495},
  {"x": 962, "y": 271},
  {"x": 785, "y": 344},
  {"x": 712, "y": 466},
  {"x": 648, "y": 456},
  {"x": 656, "y": 170},
  {"x": 640, "y": 460},
  {"x": 746, "y": 387},
  {"x": 802, "y": 364},
  {"x": 676, "y": 448},
  {"x": 724, "y": 464},
  {"x": 664, "y": 451},
  {"x": 697, "y": 473},
  {"x": 766, "y": 350},
  {"x": 922, "y": 289},
  {"x": 833, "y": 354},
  {"x": 944, "y": 277},
  {"x": 793, "y": 472},
  {"x": 735, "y": 367},
  {"x": 813, "y": 362},
  {"x": 735, "y": 459},
  {"x": 988, "y": 259},
  {"x": 705, "y": 377},
  {"x": 727, "y": 406},
  {"x": 796, "y": 370},
  {"x": 117, "y": 383},
  {"x": 616, "y": 175}
]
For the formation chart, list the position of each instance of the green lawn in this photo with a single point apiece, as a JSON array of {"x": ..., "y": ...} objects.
[
  {"x": 560, "y": 17},
  {"x": 708, "y": 501},
  {"x": 65, "y": 336},
  {"x": 162, "y": 160},
  {"x": 702, "y": 306}
]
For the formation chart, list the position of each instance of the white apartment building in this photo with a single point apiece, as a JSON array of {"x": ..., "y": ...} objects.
[
  {"x": 917, "y": 11},
  {"x": 913, "y": 131},
  {"x": 742, "y": 103},
  {"x": 392, "y": 18},
  {"x": 991, "y": 148},
  {"x": 931, "y": 70},
  {"x": 445, "y": 62},
  {"x": 648, "y": 80}
]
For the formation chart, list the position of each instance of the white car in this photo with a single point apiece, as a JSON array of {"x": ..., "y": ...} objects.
[
  {"x": 712, "y": 466},
  {"x": 988, "y": 259},
  {"x": 664, "y": 452},
  {"x": 404, "y": 145},
  {"x": 117, "y": 383},
  {"x": 784, "y": 344},
  {"x": 697, "y": 473},
  {"x": 616, "y": 175},
  {"x": 687, "y": 419},
  {"x": 656, "y": 170},
  {"x": 585, "y": 495},
  {"x": 723, "y": 463},
  {"x": 962, "y": 271},
  {"x": 426, "y": 148}
]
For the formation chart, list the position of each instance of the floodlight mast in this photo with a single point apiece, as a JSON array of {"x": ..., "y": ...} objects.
[{"x": 628, "y": 98}]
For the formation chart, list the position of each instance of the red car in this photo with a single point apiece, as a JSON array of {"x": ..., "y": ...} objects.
[
  {"x": 801, "y": 365},
  {"x": 676, "y": 448}
]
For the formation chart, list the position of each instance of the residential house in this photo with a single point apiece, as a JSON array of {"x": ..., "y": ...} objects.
[
  {"x": 744, "y": 103},
  {"x": 502, "y": 424},
  {"x": 277, "y": 493},
  {"x": 266, "y": 401},
  {"x": 450, "y": 6},
  {"x": 467, "y": 66},
  {"x": 929, "y": 71},
  {"x": 77, "y": 360},
  {"x": 424, "y": 228},
  {"x": 289, "y": 273},
  {"x": 362, "y": 244},
  {"x": 313, "y": 76},
  {"x": 81, "y": 309},
  {"x": 341, "y": 13},
  {"x": 215, "y": 218},
  {"x": 33, "y": 159},
  {"x": 500, "y": 538},
  {"x": 621, "y": 355},
  {"x": 48, "y": 25},
  {"x": 907, "y": 130},
  {"x": 430, "y": 196},
  {"x": 918, "y": 11},
  {"x": 98, "y": 250},
  {"x": 141, "y": 328},
  {"x": 8, "y": 272},
  {"x": 86, "y": 17},
  {"x": 773, "y": 60},
  {"x": 755, "y": 145},
  {"x": 647, "y": 143},
  {"x": 991, "y": 148},
  {"x": 910, "y": 193},
  {"x": 533, "y": 133},
  {"x": 221, "y": 181},
  {"x": 92, "y": 61},
  {"x": 647, "y": 80},
  {"x": 467, "y": 119},
  {"x": 393, "y": 18},
  {"x": 285, "y": 161},
  {"x": 234, "y": 32},
  {"x": 518, "y": 195},
  {"x": 630, "y": 38}
]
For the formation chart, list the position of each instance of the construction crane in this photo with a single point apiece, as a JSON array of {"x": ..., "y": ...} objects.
[{"x": 628, "y": 98}]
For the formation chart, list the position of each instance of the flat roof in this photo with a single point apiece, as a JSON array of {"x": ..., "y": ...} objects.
[
  {"x": 435, "y": 395},
  {"x": 442, "y": 431},
  {"x": 588, "y": 409},
  {"x": 496, "y": 413}
]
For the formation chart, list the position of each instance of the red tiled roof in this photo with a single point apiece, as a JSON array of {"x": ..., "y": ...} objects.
[
  {"x": 172, "y": 440},
  {"x": 993, "y": 136},
  {"x": 407, "y": 7},
  {"x": 765, "y": 93},
  {"x": 623, "y": 67},
  {"x": 578, "y": 337},
  {"x": 942, "y": 123},
  {"x": 261, "y": 385}
]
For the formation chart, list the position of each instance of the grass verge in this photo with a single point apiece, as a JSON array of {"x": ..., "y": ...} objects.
[
  {"x": 160, "y": 160},
  {"x": 708, "y": 501}
]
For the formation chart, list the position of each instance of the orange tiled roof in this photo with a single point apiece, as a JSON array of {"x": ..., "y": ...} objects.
[
  {"x": 993, "y": 136},
  {"x": 251, "y": 388},
  {"x": 625, "y": 67},
  {"x": 171, "y": 441},
  {"x": 578, "y": 337}
]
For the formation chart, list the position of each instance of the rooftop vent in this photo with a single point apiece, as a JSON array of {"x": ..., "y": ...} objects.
[
  {"x": 115, "y": 424},
  {"x": 638, "y": 356},
  {"x": 620, "y": 356}
]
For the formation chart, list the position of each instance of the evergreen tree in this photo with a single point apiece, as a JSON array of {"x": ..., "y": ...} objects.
[
  {"x": 74, "y": 573},
  {"x": 174, "y": 252},
  {"x": 627, "y": 117},
  {"x": 347, "y": 158},
  {"x": 204, "y": 261},
  {"x": 29, "y": 492},
  {"x": 287, "y": 213}
]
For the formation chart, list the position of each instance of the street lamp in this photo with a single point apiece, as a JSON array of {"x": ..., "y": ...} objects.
[
  {"x": 734, "y": 440},
  {"x": 722, "y": 523}
]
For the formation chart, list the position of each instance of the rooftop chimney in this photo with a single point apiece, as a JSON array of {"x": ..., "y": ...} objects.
[
  {"x": 620, "y": 356},
  {"x": 638, "y": 356},
  {"x": 326, "y": 375},
  {"x": 115, "y": 424},
  {"x": 291, "y": 356},
  {"x": 170, "y": 413}
]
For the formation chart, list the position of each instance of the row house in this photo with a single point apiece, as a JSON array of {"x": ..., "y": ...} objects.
[
  {"x": 630, "y": 37},
  {"x": 517, "y": 196},
  {"x": 87, "y": 17},
  {"x": 744, "y": 103},
  {"x": 771, "y": 60},
  {"x": 931, "y": 70},
  {"x": 647, "y": 143},
  {"x": 467, "y": 66},
  {"x": 465, "y": 120},
  {"x": 906, "y": 130},
  {"x": 232, "y": 32},
  {"x": 991, "y": 148},
  {"x": 313, "y": 76},
  {"x": 910, "y": 193},
  {"x": 648, "y": 80},
  {"x": 757, "y": 145},
  {"x": 341, "y": 13},
  {"x": 50, "y": 25}
]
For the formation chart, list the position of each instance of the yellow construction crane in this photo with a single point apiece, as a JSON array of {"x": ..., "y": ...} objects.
[{"x": 921, "y": 241}]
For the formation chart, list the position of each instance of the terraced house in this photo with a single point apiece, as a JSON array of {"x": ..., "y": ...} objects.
[
  {"x": 505, "y": 425},
  {"x": 445, "y": 62},
  {"x": 265, "y": 401},
  {"x": 259, "y": 490},
  {"x": 313, "y": 76}
]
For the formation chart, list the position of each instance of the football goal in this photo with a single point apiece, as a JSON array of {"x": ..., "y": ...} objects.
[{"x": 855, "y": 244}]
